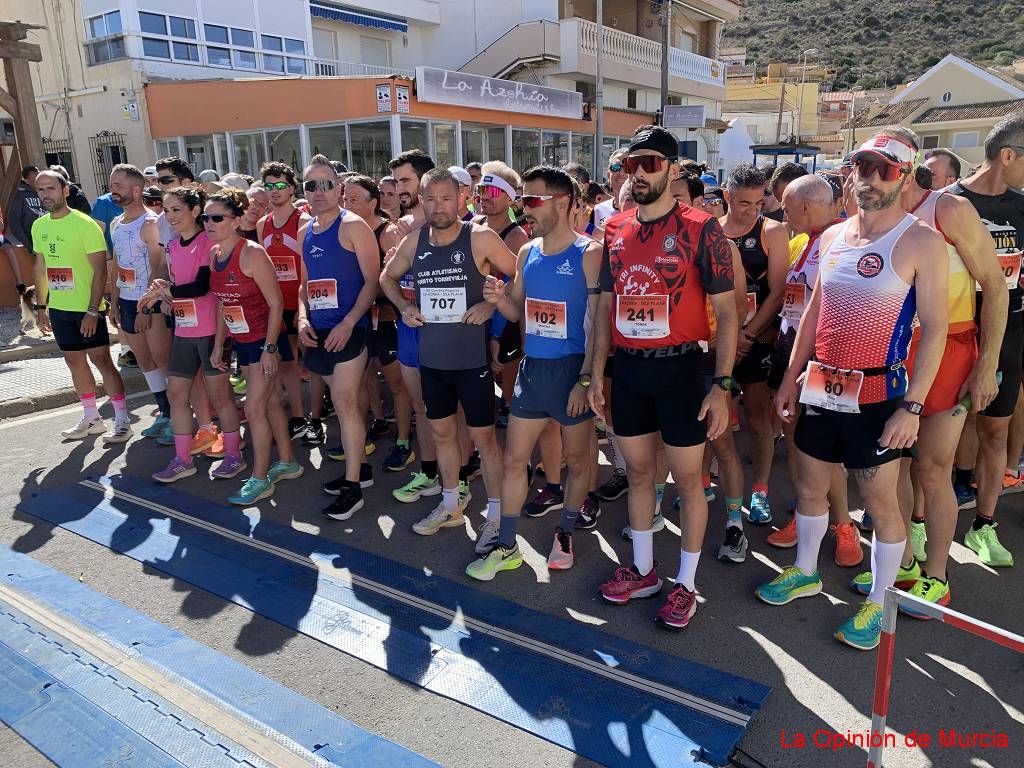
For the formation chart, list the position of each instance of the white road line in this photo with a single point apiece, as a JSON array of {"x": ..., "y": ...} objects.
[{"x": 646, "y": 686}]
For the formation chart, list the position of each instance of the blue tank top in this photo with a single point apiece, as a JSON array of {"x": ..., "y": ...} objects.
[
  {"x": 333, "y": 276},
  {"x": 556, "y": 301}
]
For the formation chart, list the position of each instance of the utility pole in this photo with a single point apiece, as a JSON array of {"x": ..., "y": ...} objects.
[
  {"x": 803, "y": 79},
  {"x": 666, "y": 23},
  {"x": 782, "y": 103},
  {"x": 599, "y": 94}
]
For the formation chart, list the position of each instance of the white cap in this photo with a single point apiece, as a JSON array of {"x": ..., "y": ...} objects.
[
  {"x": 150, "y": 170},
  {"x": 888, "y": 148},
  {"x": 462, "y": 175}
]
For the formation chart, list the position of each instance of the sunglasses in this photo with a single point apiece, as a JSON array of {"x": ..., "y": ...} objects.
[
  {"x": 324, "y": 185},
  {"x": 712, "y": 201},
  {"x": 486, "y": 190},
  {"x": 167, "y": 179},
  {"x": 649, "y": 163},
  {"x": 270, "y": 186},
  {"x": 615, "y": 167},
  {"x": 216, "y": 218},
  {"x": 536, "y": 201},
  {"x": 767, "y": 193},
  {"x": 867, "y": 166}
]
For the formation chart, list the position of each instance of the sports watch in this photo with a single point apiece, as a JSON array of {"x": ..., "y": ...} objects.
[
  {"x": 724, "y": 382},
  {"x": 271, "y": 348},
  {"x": 912, "y": 407},
  {"x": 584, "y": 380}
]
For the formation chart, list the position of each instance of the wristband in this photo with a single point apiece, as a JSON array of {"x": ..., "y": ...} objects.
[
  {"x": 38, "y": 307},
  {"x": 92, "y": 312}
]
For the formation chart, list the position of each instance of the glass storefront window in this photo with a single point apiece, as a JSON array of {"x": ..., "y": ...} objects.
[
  {"x": 583, "y": 150},
  {"x": 284, "y": 146},
  {"x": 329, "y": 140},
  {"x": 444, "y": 144},
  {"x": 473, "y": 137},
  {"x": 199, "y": 153},
  {"x": 220, "y": 145},
  {"x": 371, "y": 147},
  {"x": 249, "y": 153},
  {"x": 608, "y": 145},
  {"x": 554, "y": 148},
  {"x": 496, "y": 143},
  {"x": 525, "y": 149},
  {"x": 414, "y": 136}
]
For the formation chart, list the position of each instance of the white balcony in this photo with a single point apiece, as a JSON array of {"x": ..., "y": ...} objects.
[
  {"x": 335, "y": 68},
  {"x": 579, "y": 40}
]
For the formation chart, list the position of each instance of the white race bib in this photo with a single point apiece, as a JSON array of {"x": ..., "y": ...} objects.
[
  {"x": 443, "y": 305},
  {"x": 832, "y": 388},
  {"x": 794, "y": 301},
  {"x": 323, "y": 293},
  {"x": 546, "y": 319},
  {"x": 642, "y": 317}
]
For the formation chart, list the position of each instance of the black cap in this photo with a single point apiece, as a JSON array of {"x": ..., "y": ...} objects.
[
  {"x": 152, "y": 193},
  {"x": 655, "y": 138}
]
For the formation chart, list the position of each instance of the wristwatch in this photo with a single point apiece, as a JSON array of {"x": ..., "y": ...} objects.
[
  {"x": 584, "y": 380},
  {"x": 146, "y": 311},
  {"x": 724, "y": 382},
  {"x": 912, "y": 407},
  {"x": 271, "y": 348}
]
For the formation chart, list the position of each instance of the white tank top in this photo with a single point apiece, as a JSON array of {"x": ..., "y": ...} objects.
[
  {"x": 132, "y": 256},
  {"x": 866, "y": 311},
  {"x": 961, "y": 284}
]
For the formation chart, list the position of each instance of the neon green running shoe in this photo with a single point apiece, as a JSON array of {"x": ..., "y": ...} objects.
[
  {"x": 986, "y": 545},
  {"x": 789, "y": 585},
  {"x": 930, "y": 590},
  {"x": 498, "y": 559},
  {"x": 918, "y": 539},
  {"x": 905, "y": 578},
  {"x": 864, "y": 629},
  {"x": 419, "y": 486}
]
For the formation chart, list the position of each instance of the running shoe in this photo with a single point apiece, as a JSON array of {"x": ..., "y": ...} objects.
[
  {"x": 627, "y": 583},
  {"x": 347, "y": 504},
  {"x": 848, "y": 550},
  {"x": 966, "y": 498},
  {"x": 658, "y": 524},
  {"x": 127, "y": 359},
  {"x": 545, "y": 501},
  {"x": 734, "y": 548},
  {"x": 865, "y": 524},
  {"x": 601, "y": 430},
  {"x": 378, "y": 428},
  {"x": 84, "y": 428},
  {"x": 487, "y": 539},
  {"x": 284, "y": 470},
  {"x": 314, "y": 434},
  {"x": 590, "y": 511},
  {"x": 498, "y": 559},
  {"x": 229, "y": 467},
  {"x": 760, "y": 512},
  {"x": 786, "y": 537},
  {"x": 501, "y": 422},
  {"x": 176, "y": 470},
  {"x": 985, "y": 544},
  {"x": 905, "y": 578},
  {"x": 121, "y": 432},
  {"x": 438, "y": 519},
  {"x": 297, "y": 426},
  {"x": 863, "y": 630},
  {"x": 465, "y": 496},
  {"x": 709, "y": 496},
  {"x": 252, "y": 491},
  {"x": 328, "y": 403},
  {"x": 930, "y": 590},
  {"x": 204, "y": 440},
  {"x": 919, "y": 540},
  {"x": 679, "y": 608},
  {"x": 561, "y": 557},
  {"x": 616, "y": 487},
  {"x": 1013, "y": 482},
  {"x": 399, "y": 457},
  {"x": 216, "y": 451},
  {"x": 156, "y": 428},
  {"x": 337, "y": 453},
  {"x": 788, "y": 586},
  {"x": 419, "y": 486},
  {"x": 166, "y": 437},
  {"x": 335, "y": 487},
  {"x": 473, "y": 465}
]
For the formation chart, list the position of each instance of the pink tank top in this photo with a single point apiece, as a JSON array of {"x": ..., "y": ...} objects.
[{"x": 196, "y": 317}]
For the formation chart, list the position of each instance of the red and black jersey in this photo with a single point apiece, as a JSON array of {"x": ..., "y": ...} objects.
[{"x": 659, "y": 272}]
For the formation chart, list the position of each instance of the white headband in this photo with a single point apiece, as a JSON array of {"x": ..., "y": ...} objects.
[{"x": 490, "y": 180}]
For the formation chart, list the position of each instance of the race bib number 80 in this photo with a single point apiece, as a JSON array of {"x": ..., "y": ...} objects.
[
  {"x": 642, "y": 317},
  {"x": 832, "y": 388}
]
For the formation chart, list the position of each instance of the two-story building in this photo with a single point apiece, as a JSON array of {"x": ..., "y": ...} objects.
[{"x": 228, "y": 84}]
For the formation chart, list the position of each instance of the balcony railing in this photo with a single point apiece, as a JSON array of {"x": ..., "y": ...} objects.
[
  {"x": 334, "y": 68},
  {"x": 635, "y": 51}
]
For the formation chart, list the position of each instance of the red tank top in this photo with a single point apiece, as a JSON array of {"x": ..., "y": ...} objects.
[
  {"x": 242, "y": 303},
  {"x": 282, "y": 243}
]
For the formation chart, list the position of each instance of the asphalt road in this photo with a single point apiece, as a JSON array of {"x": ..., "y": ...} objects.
[{"x": 943, "y": 678}]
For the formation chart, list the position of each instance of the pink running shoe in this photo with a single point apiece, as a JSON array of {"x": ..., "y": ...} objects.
[
  {"x": 561, "y": 557},
  {"x": 678, "y": 609},
  {"x": 627, "y": 583}
]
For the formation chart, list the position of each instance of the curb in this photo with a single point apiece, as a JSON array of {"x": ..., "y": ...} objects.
[
  {"x": 26, "y": 351},
  {"x": 22, "y": 406}
]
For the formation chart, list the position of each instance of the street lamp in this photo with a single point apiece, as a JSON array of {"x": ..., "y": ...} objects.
[
  {"x": 853, "y": 112},
  {"x": 803, "y": 75}
]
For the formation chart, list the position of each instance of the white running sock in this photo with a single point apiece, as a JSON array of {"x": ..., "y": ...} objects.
[
  {"x": 450, "y": 498},
  {"x": 885, "y": 562},
  {"x": 643, "y": 551},
  {"x": 494, "y": 511},
  {"x": 156, "y": 380},
  {"x": 809, "y": 533},
  {"x": 688, "y": 569},
  {"x": 617, "y": 461}
]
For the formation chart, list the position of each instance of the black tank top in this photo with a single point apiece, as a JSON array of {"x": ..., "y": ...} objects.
[{"x": 755, "y": 260}]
